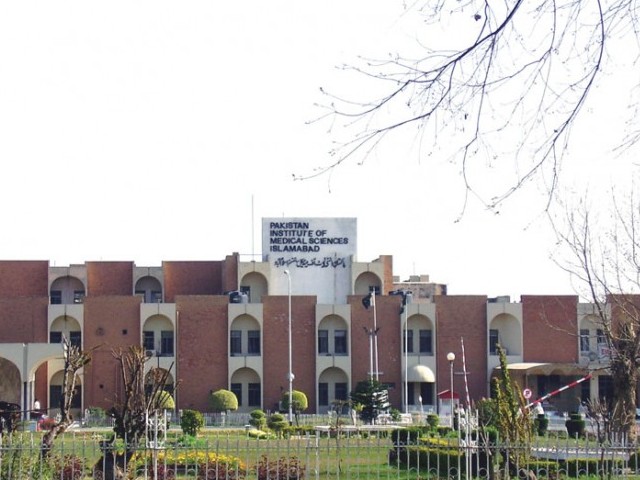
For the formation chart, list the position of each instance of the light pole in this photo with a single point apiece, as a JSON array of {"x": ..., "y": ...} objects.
[
  {"x": 451, "y": 357},
  {"x": 290, "y": 375}
]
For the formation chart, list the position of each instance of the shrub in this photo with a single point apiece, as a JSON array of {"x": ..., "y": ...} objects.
[
  {"x": 433, "y": 420},
  {"x": 575, "y": 425},
  {"x": 580, "y": 466},
  {"x": 223, "y": 400},
  {"x": 407, "y": 436},
  {"x": 277, "y": 423},
  {"x": 191, "y": 422},
  {"x": 541, "y": 424},
  {"x": 163, "y": 471},
  {"x": 208, "y": 465},
  {"x": 258, "y": 419},
  {"x": 258, "y": 434},
  {"x": 299, "y": 402},
  {"x": 432, "y": 459},
  {"x": 280, "y": 469},
  {"x": 67, "y": 467}
]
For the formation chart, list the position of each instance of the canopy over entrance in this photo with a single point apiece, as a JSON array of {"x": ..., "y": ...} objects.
[
  {"x": 534, "y": 368},
  {"x": 420, "y": 373}
]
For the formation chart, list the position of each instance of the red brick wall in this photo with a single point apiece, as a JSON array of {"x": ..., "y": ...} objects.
[
  {"x": 202, "y": 349},
  {"x": 457, "y": 317},
  {"x": 387, "y": 280},
  {"x": 23, "y": 320},
  {"x": 230, "y": 273},
  {"x": 624, "y": 307},
  {"x": 192, "y": 278},
  {"x": 106, "y": 319},
  {"x": 389, "y": 346},
  {"x": 276, "y": 347},
  {"x": 361, "y": 319},
  {"x": 109, "y": 278},
  {"x": 549, "y": 328},
  {"x": 24, "y": 279}
]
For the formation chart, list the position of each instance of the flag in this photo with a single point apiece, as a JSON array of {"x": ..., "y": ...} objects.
[{"x": 366, "y": 301}]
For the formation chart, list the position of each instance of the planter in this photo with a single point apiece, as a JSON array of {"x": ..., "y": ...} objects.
[{"x": 575, "y": 425}]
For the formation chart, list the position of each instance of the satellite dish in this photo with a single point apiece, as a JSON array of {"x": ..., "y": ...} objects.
[{"x": 593, "y": 356}]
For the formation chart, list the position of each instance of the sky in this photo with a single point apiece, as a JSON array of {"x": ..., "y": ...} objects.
[{"x": 149, "y": 131}]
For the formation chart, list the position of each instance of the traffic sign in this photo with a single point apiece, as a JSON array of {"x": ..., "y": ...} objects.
[{"x": 526, "y": 393}]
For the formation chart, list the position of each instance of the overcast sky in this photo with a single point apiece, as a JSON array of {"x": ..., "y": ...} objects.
[{"x": 150, "y": 131}]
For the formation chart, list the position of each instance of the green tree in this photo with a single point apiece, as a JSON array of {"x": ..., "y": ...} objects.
[
  {"x": 191, "y": 422},
  {"x": 223, "y": 401},
  {"x": 299, "y": 403},
  {"x": 373, "y": 396},
  {"x": 509, "y": 406},
  {"x": 514, "y": 424},
  {"x": 258, "y": 419},
  {"x": 277, "y": 422}
]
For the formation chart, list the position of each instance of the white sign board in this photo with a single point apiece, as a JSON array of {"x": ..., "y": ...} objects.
[{"x": 317, "y": 252}]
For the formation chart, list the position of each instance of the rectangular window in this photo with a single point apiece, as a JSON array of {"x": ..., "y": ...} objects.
[
  {"x": 247, "y": 291},
  {"x": 55, "y": 337},
  {"x": 601, "y": 338},
  {"x": 254, "y": 394},
  {"x": 78, "y": 296},
  {"x": 409, "y": 340},
  {"x": 166, "y": 343},
  {"x": 56, "y": 297},
  {"x": 253, "y": 345},
  {"x": 426, "y": 342},
  {"x": 584, "y": 340},
  {"x": 585, "y": 391},
  {"x": 323, "y": 342},
  {"x": 236, "y": 389},
  {"x": 235, "y": 344},
  {"x": 411, "y": 393},
  {"x": 55, "y": 396},
  {"x": 323, "y": 394},
  {"x": 75, "y": 338},
  {"x": 493, "y": 341},
  {"x": 341, "y": 391},
  {"x": 340, "y": 342},
  {"x": 148, "y": 341}
]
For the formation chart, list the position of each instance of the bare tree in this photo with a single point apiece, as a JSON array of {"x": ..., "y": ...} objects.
[
  {"x": 606, "y": 264},
  {"x": 74, "y": 360},
  {"x": 505, "y": 86},
  {"x": 141, "y": 395}
]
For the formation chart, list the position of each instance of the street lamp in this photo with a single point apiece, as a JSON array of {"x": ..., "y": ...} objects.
[
  {"x": 451, "y": 357},
  {"x": 290, "y": 374}
]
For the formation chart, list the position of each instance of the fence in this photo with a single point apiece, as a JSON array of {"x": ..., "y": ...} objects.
[{"x": 350, "y": 453}]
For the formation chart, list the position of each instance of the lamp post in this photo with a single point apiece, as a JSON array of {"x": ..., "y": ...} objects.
[
  {"x": 290, "y": 374},
  {"x": 451, "y": 357}
]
